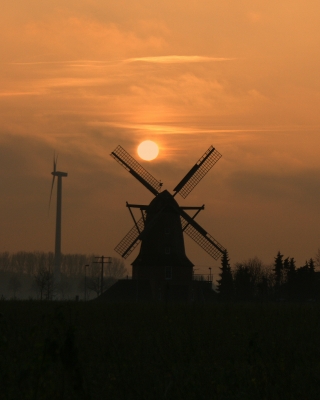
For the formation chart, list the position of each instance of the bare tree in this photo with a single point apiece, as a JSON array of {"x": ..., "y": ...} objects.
[
  {"x": 14, "y": 285},
  {"x": 5, "y": 261},
  {"x": 44, "y": 283},
  {"x": 116, "y": 269}
]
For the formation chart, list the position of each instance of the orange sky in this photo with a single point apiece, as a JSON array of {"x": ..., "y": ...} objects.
[{"x": 81, "y": 77}]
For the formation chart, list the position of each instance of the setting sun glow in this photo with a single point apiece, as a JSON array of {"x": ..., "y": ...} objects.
[{"x": 148, "y": 150}]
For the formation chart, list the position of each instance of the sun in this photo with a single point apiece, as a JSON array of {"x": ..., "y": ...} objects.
[{"x": 148, "y": 150}]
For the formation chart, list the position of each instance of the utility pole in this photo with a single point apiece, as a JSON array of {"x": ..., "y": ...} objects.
[{"x": 102, "y": 262}]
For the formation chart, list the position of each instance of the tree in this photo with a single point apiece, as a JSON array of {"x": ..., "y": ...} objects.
[
  {"x": 306, "y": 285},
  {"x": 116, "y": 269},
  {"x": 303, "y": 282},
  {"x": 243, "y": 283},
  {"x": 14, "y": 285},
  {"x": 317, "y": 259},
  {"x": 278, "y": 268},
  {"x": 312, "y": 279},
  {"x": 278, "y": 274},
  {"x": 291, "y": 282},
  {"x": 286, "y": 267},
  {"x": 44, "y": 283},
  {"x": 5, "y": 261},
  {"x": 252, "y": 280},
  {"x": 311, "y": 266},
  {"x": 225, "y": 283}
]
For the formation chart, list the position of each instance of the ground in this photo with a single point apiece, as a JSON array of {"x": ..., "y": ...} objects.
[{"x": 138, "y": 351}]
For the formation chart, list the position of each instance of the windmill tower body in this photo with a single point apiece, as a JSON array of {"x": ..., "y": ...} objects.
[
  {"x": 162, "y": 257},
  {"x": 162, "y": 260}
]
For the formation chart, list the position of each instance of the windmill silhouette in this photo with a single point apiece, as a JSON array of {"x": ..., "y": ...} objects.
[
  {"x": 57, "y": 248},
  {"x": 162, "y": 258}
]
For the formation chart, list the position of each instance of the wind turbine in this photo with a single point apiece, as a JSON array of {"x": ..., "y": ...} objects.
[{"x": 57, "y": 249}]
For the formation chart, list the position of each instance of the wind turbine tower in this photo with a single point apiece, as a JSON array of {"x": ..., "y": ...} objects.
[{"x": 57, "y": 249}]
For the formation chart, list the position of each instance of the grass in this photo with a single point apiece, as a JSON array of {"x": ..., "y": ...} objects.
[{"x": 220, "y": 351}]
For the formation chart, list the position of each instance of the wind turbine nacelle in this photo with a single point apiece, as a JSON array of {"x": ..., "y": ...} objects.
[{"x": 58, "y": 173}]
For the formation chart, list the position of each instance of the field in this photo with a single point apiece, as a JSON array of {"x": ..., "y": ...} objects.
[{"x": 51, "y": 350}]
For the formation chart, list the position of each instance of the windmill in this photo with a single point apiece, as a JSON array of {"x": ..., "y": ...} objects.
[
  {"x": 57, "y": 249},
  {"x": 160, "y": 229}
]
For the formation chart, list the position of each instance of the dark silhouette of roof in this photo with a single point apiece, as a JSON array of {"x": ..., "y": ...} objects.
[
  {"x": 127, "y": 290},
  {"x": 137, "y": 291}
]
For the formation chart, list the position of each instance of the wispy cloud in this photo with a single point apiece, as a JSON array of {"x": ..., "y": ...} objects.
[
  {"x": 174, "y": 129},
  {"x": 72, "y": 63},
  {"x": 173, "y": 59},
  {"x": 178, "y": 59},
  {"x": 8, "y": 94}
]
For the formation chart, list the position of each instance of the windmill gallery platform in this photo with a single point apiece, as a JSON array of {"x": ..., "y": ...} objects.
[{"x": 162, "y": 270}]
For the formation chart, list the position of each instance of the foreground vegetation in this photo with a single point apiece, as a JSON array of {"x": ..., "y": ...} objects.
[
  {"x": 220, "y": 351},
  {"x": 251, "y": 280}
]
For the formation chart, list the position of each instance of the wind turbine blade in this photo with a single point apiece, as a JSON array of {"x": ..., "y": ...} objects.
[
  {"x": 51, "y": 191},
  {"x": 55, "y": 160}
]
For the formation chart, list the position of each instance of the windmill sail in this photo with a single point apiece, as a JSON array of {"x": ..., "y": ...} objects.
[
  {"x": 135, "y": 169},
  {"x": 136, "y": 233},
  {"x": 201, "y": 236},
  {"x": 197, "y": 172},
  {"x": 131, "y": 240}
]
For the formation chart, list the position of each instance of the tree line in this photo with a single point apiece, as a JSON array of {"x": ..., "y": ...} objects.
[
  {"x": 23, "y": 262},
  {"x": 252, "y": 280},
  {"x": 29, "y": 272}
]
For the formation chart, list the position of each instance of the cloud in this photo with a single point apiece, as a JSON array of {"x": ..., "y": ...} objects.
[
  {"x": 67, "y": 63},
  {"x": 57, "y": 38},
  {"x": 171, "y": 129},
  {"x": 8, "y": 94},
  {"x": 177, "y": 59}
]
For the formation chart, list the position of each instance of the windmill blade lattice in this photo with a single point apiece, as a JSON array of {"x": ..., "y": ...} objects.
[
  {"x": 202, "y": 238},
  {"x": 131, "y": 240},
  {"x": 135, "y": 169},
  {"x": 197, "y": 172}
]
